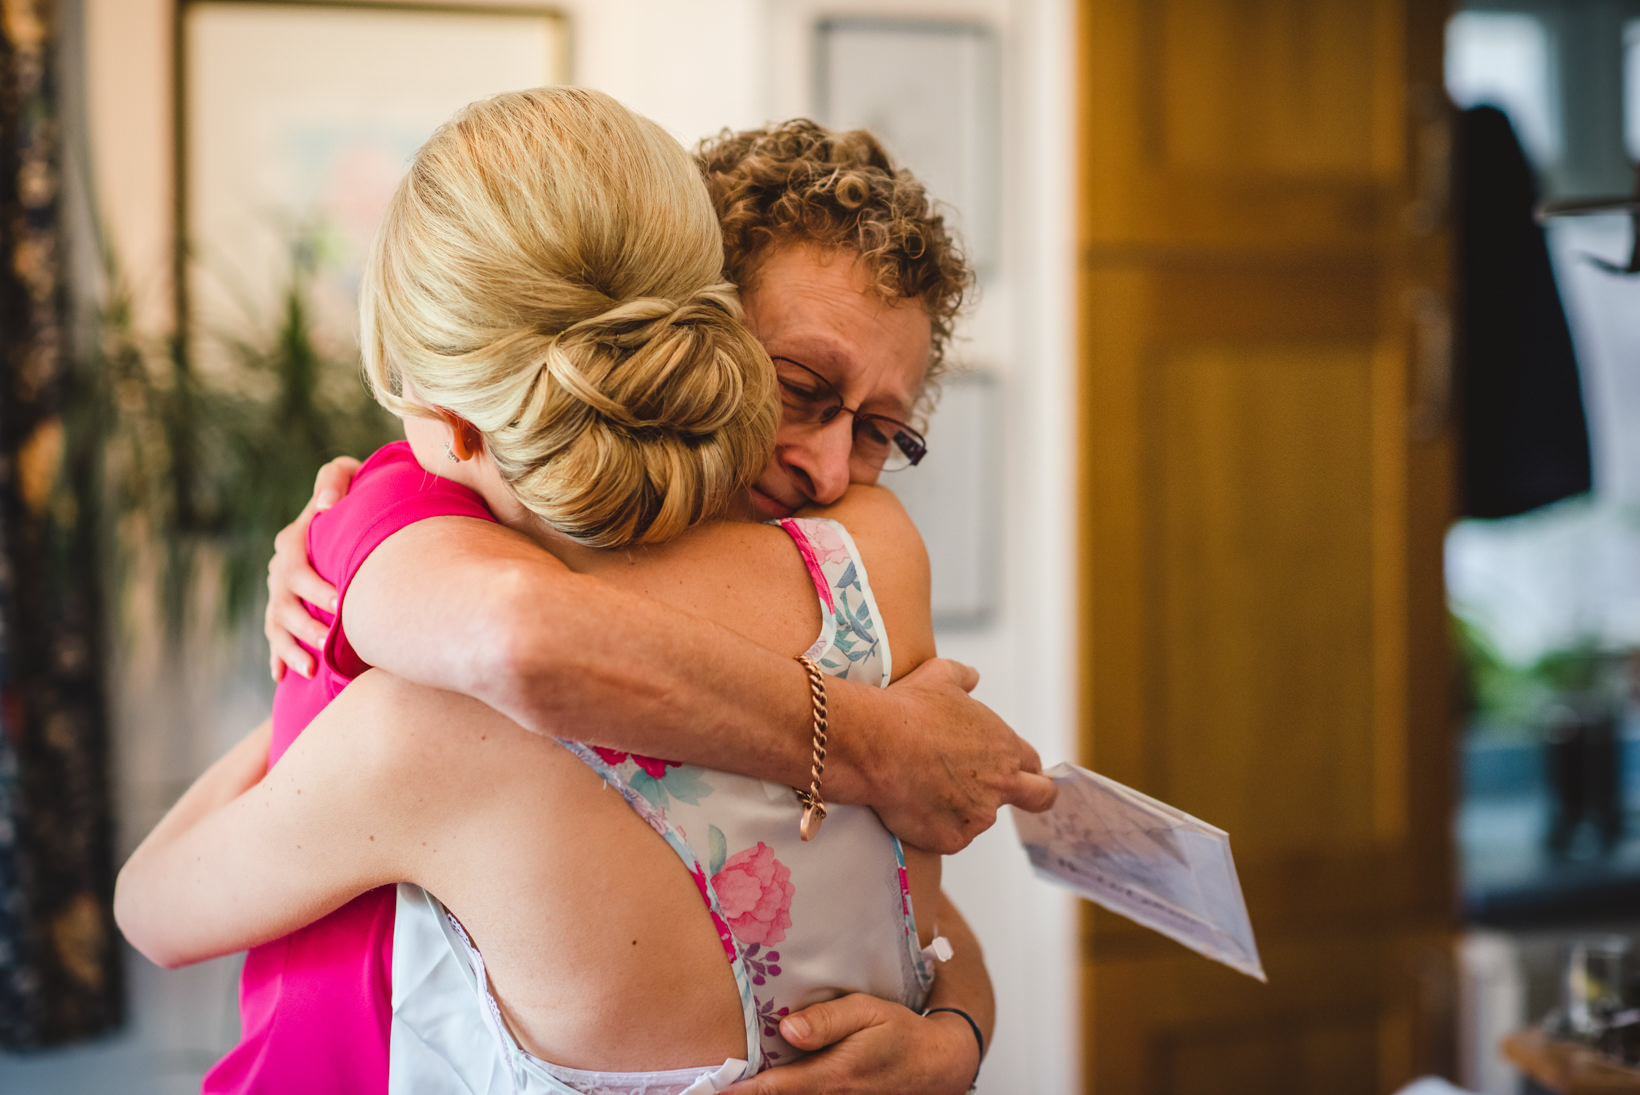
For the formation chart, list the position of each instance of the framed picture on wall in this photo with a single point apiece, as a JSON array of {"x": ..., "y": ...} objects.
[
  {"x": 297, "y": 119},
  {"x": 930, "y": 89},
  {"x": 953, "y": 497}
]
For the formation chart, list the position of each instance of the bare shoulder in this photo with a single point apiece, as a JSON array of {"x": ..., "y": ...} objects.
[
  {"x": 882, "y": 530},
  {"x": 394, "y": 736},
  {"x": 744, "y": 576}
]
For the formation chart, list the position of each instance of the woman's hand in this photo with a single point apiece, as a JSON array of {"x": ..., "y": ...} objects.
[
  {"x": 291, "y": 580},
  {"x": 943, "y": 768},
  {"x": 862, "y": 1044}
]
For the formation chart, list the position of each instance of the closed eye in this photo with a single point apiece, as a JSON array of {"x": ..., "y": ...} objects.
[
  {"x": 795, "y": 389},
  {"x": 874, "y": 431}
]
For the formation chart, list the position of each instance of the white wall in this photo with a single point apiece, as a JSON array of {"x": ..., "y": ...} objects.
[{"x": 695, "y": 66}]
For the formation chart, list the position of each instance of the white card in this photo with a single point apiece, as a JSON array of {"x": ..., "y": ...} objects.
[{"x": 1144, "y": 860}]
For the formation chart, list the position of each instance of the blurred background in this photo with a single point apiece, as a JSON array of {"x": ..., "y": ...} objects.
[{"x": 1290, "y": 477}]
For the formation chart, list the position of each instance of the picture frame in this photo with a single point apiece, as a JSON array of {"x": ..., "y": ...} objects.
[
  {"x": 295, "y": 121},
  {"x": 953, "y": 497},
  {"x": 930, "y": 89}
]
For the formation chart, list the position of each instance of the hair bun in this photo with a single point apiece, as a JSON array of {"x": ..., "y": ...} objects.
[
  {"x": 654, "y": 364},
  {"x": 551, "y": 271},
  {"x": 662, "y": 412}
]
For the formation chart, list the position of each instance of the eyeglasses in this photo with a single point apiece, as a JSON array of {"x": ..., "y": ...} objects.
[{"x": 881, "y": 443}]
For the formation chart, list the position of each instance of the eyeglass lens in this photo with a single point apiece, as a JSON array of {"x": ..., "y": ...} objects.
[{"x": 879, "y": 441}]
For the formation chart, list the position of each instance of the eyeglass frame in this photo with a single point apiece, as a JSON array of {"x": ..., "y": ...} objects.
[{"x": 902, "y": 438}]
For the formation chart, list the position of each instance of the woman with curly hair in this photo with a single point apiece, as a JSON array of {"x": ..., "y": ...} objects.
[{"x": 851, "y": 281}]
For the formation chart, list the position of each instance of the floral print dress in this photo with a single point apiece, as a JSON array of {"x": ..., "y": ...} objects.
[{"x": 800, "y": 922}]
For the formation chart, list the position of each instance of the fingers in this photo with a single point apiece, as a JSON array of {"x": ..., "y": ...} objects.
[
  {"x": 285, "y": 651},
  {"x": 966, "y": 676},
  {"x": 292, "y": 580},
  {"x": 290, "y": 573},
  {"x": 289, "y": 616},
  {"x": 298, "y": 579},
  {"x": 809, "y": 1076},
  {"x": 837, "y": 1064},
  {"x": 824, "y": 1024},
  {"x": 1033, "y": 792},
  {"x": 976, "y": 763},
  {"x": 794, "y": 1079},
  {"x": 944, "y": 672},
  {"x": 332, "y": 482},
  {"x": 286, "y": 621},
  {"x": 947, "y": 839}
]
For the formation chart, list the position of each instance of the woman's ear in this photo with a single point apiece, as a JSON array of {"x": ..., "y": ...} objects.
[{"x": 465, "y": 440}]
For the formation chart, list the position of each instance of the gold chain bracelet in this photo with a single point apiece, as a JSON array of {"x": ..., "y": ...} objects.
[{"x": 814, "y": 806}]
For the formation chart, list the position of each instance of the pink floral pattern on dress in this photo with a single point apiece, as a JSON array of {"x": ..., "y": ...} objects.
[
  {"x": 654, "y": 767},
  {"x": 752, "y": 895},
  {"x": 724, "y": 935},
  {"x": 755, "y": 890}
]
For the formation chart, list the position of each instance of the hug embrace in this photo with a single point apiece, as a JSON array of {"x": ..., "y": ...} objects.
[{"x": 616, "y": 757}]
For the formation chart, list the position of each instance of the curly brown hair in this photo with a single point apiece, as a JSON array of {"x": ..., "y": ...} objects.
[{"x": 798, "y": 182}]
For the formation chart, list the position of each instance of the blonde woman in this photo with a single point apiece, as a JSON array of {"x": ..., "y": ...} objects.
[
  {"x": 543, "y": 310},
  {"x": 851, "y": 280}
]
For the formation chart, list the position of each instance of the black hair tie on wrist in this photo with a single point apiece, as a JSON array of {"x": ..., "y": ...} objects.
[{"x": 973, "y": 1026}]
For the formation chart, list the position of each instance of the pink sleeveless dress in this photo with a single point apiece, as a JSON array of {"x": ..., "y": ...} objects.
[{"x": 315, "y": 1006}]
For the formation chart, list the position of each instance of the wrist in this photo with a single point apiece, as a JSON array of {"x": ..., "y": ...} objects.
[
  {"x": 852, "y": 771},
  {"x": 964, "y": 1037}
]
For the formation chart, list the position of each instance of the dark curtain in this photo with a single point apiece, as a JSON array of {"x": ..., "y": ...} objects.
[{"x": 59, "y": 963}]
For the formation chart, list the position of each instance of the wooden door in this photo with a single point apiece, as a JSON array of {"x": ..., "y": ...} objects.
[{"x": 1267, "y": 476}]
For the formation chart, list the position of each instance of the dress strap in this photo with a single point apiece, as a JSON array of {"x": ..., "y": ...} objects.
[{"x": 852, "y": 644}]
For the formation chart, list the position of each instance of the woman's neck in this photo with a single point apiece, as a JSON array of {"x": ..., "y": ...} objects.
[{"x": 480, "y": 475}]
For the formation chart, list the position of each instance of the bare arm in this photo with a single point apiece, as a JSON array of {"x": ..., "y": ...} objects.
[
  {"x": 143, "y": 903},
  {"x": 244, "y": 858},
  {"x": 506, "y": 623},
  {"x": 203, "y": 884},
  {"x": 280, "y": 828},
  {"x": 963, "y": 982}
]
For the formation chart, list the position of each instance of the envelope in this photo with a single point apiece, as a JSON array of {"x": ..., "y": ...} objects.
[{"x": 1145, "y": 860}]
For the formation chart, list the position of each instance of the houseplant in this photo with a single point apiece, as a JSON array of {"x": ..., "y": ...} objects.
[{"x": 200, "y": 445}]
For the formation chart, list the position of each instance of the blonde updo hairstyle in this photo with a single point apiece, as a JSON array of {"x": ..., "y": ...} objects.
[{"x": 550, "y": 270}]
